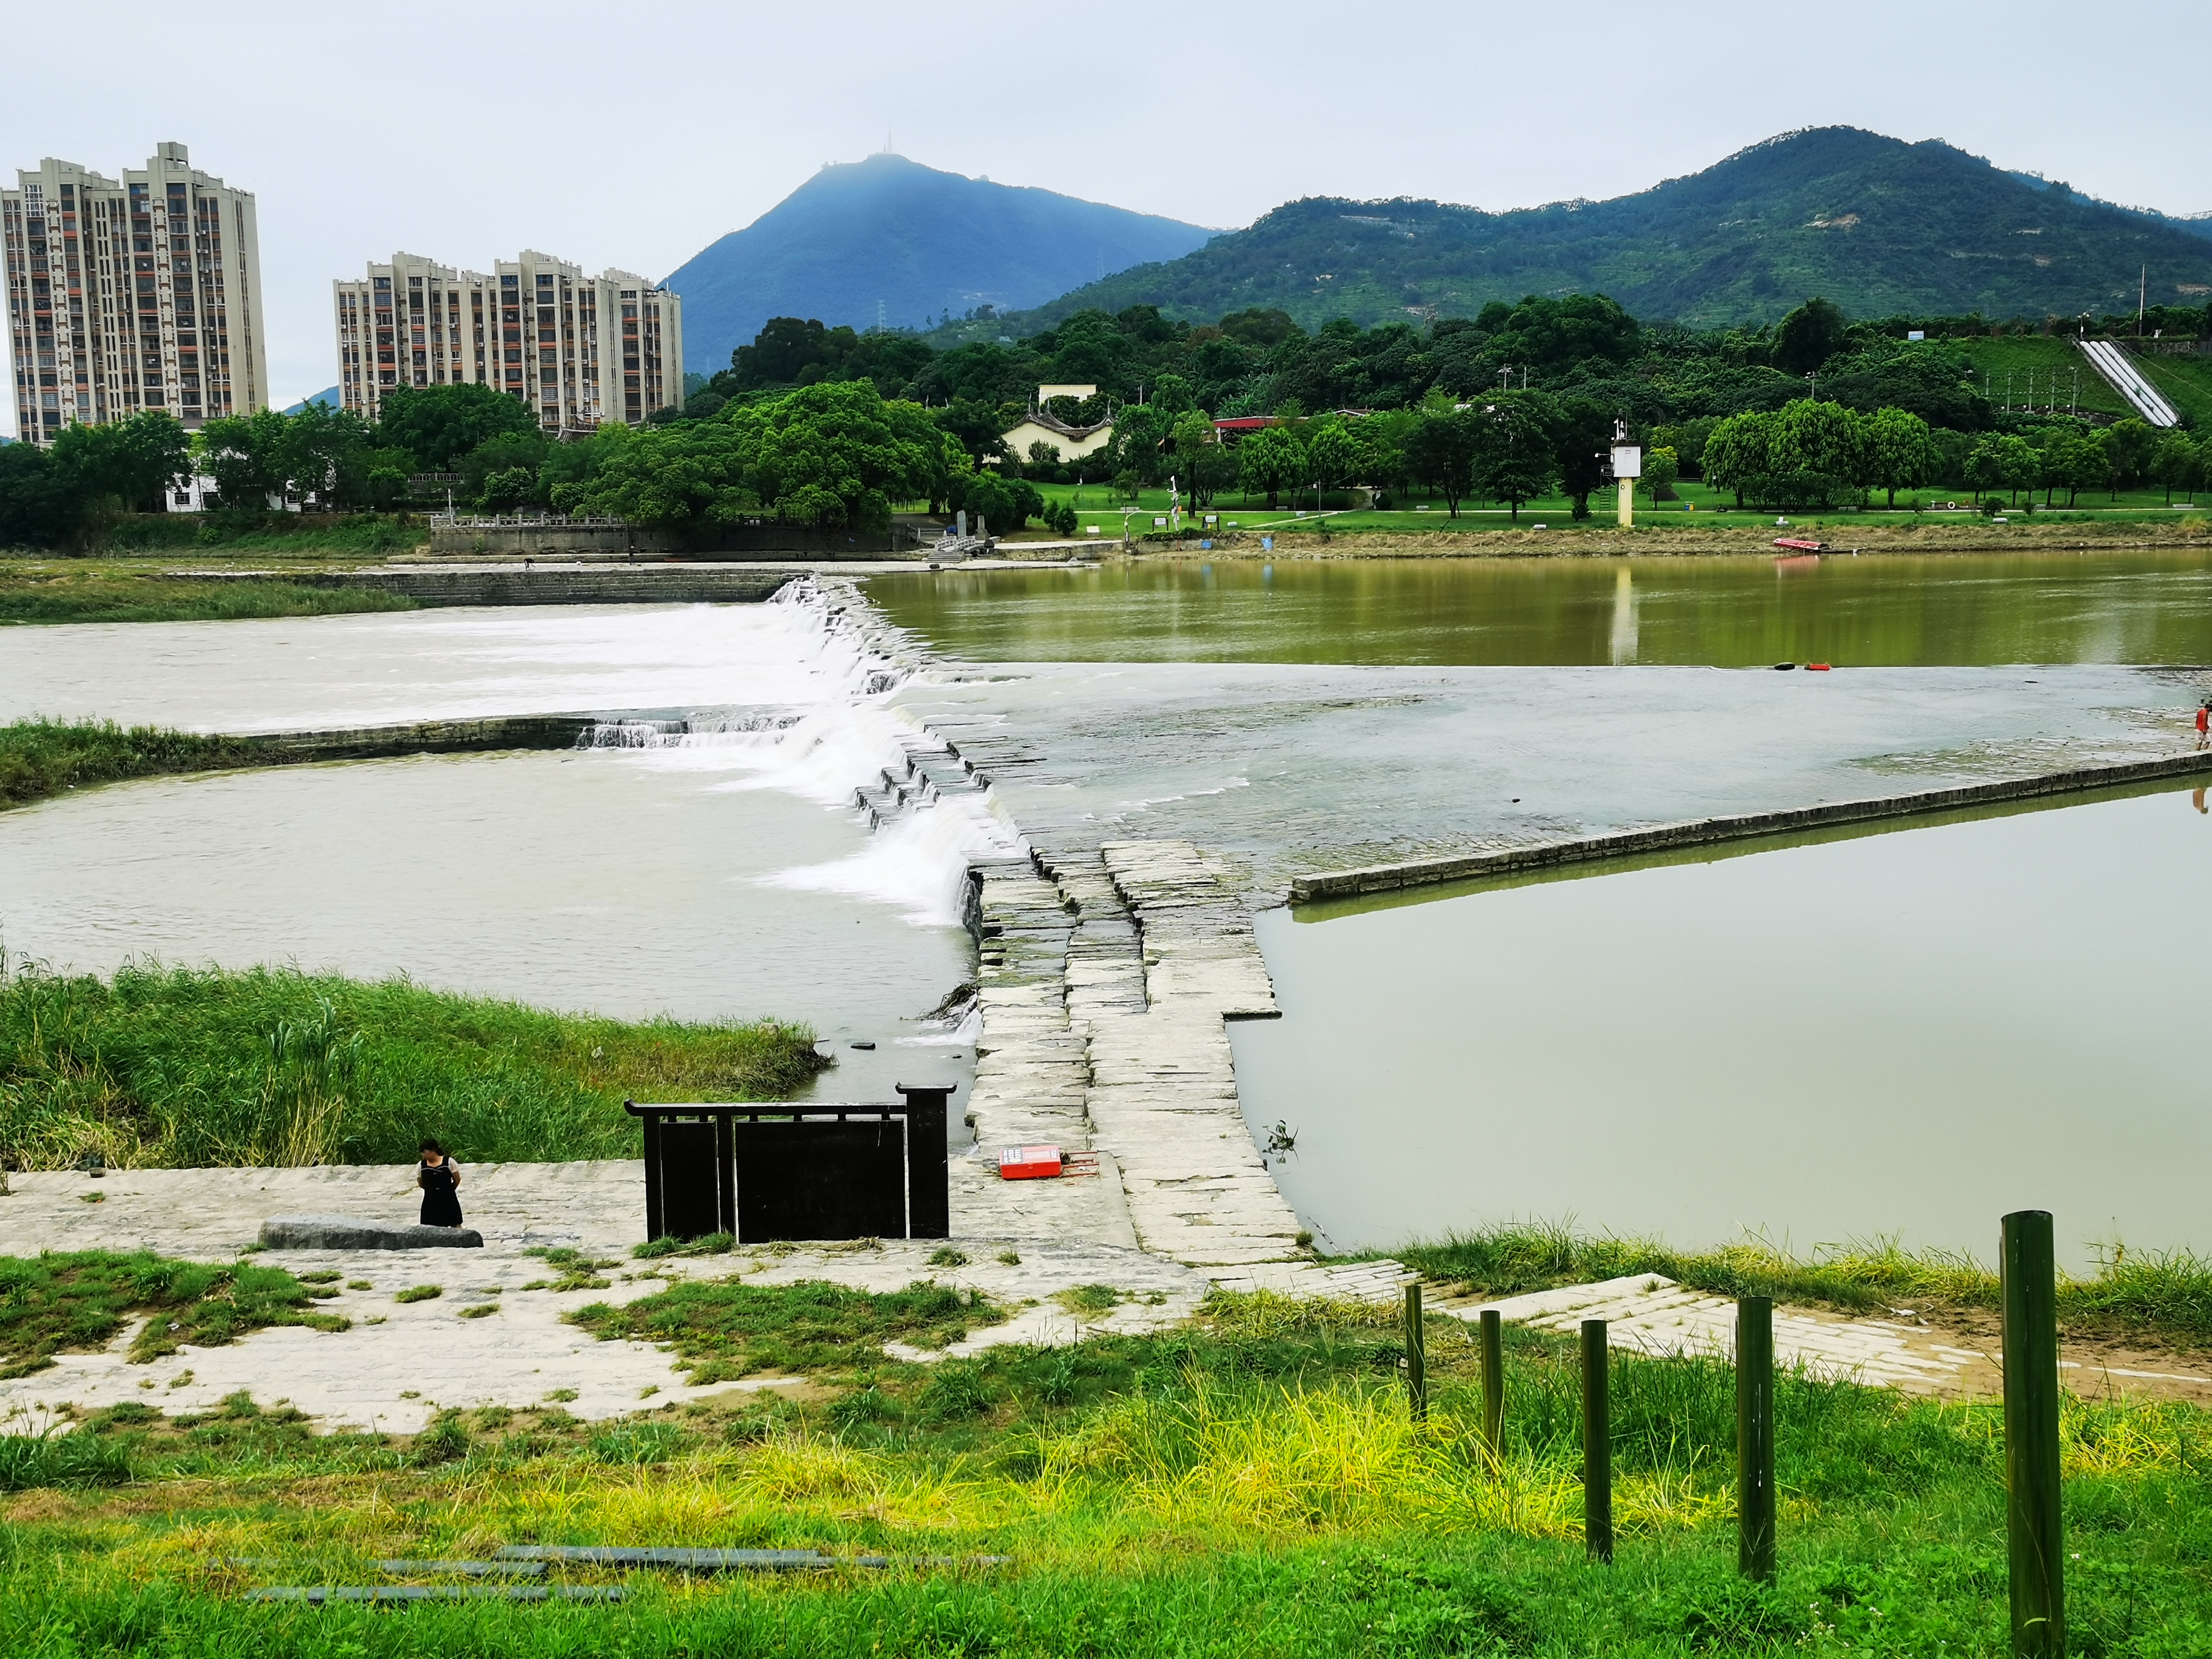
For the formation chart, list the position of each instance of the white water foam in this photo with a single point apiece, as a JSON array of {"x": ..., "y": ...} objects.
[{"x": 838, "y": 738}]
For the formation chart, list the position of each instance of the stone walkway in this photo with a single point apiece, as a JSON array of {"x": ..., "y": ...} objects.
[{"x": 400, "y": 1361}]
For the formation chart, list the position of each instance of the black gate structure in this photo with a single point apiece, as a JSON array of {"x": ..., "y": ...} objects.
[{"x": 796, "y": 1171}]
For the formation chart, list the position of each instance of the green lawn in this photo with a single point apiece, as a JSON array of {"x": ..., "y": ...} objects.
[
  {"x": 1247, "y": 1487},
  {"x": 1698, "y": 507}
]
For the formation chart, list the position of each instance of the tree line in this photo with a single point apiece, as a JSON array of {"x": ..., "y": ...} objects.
[{"x": 830, "y": 426}]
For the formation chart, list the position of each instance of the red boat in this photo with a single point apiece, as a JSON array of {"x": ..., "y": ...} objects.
[{"x": 1798, "y": 545}]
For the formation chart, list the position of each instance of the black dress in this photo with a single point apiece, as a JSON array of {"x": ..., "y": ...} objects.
[{"x": 441, "y": 1204}]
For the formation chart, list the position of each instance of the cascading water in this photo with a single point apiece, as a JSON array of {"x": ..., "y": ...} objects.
[{"x": 846, "y": 739}]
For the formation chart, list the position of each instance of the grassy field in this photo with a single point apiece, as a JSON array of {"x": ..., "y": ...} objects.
[
  {"x": 181, "y": 1067},
  {"x": 1698, "y": 508},
  {"x": 85, "y": 590},
  {"x": 1249, "y": 1486}
]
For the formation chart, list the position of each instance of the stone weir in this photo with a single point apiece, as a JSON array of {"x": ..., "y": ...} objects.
[
  {"x": 643, "y": 584},
  {"x": 1106, "y": 976}
]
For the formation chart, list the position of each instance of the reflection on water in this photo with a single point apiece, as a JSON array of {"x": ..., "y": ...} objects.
[
  {"x": 1888, "y": 610},
  {"x": 1911, "y": 1032}
]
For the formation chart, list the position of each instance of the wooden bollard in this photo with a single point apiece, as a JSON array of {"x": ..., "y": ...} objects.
[
  {"x": 2035, "y": 1529},
  {"x": 1417, "y": 1356},
  {"x": 1493, "y": 1381},
  {"x": 1754, "y": 1437},
  {"x": 1597, "y": 1444}
]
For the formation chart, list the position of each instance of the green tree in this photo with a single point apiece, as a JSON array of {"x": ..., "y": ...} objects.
[
  {"x": 440, "y": 424},
  {"x": 1662, "y": 467},
  {"x": 1809, "y": 336},
  {"x": 1582, "y": 448},
  {"x": 1270, "y": 460},
  {"x": 1899, "y": 454},
  {"x": 2174, "y": 462},
  {"x": 1333, "y": 455},
  {"x": 137, "y": 461},
  {"x": 326, "y": 454},
  {"x": 247, "y": 456},
  {"x": 1817, "y": 437},
  {"x": 2130, "y": 445},
  {"x": 1202, "y": 461},
  {"x": 1985, "y": 465},
  {"x": 1444, "y": 449},
  {"x": 1737, "y": 451},
  {"x": 38, "y": 507},
  {"x": 835, "y": 455},
  {"x": 1513, "y": 449}
]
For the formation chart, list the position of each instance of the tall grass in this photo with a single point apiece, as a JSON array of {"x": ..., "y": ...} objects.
[
  {"x": 41, "y": 757},
  {"x": 164, "y": 1067},
  {"x": 2167, "y": 1292}
]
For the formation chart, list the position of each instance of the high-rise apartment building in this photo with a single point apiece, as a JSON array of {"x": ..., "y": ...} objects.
[
  {"x": 138, "y": 296},
  {"x": 577, "y": 349}
]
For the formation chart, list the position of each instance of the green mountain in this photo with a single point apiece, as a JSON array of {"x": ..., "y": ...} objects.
[
  {"x": 888, "y": 240},
  {"x": 1879, "y": 226}
]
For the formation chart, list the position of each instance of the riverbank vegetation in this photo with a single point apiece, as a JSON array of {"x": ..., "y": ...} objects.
[
  {"x": 826, "y": 428},
  {"x": 2166, "y": 1296},
  {"x": 86, "y": 591},
  {"x": 40, "y": 758},
  {"x": 166, "y": 1066},
  {"x": 1249, "y": 1486}
]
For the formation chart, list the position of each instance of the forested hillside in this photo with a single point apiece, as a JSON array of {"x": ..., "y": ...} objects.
[{"x": 1877, "y": 225}]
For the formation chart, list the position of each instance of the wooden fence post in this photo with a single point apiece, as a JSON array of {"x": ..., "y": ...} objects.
[
  {"x": 1493, "y": 1381},
  {"x": 1597, "y": 1444},
  {"x": 1754, "y": 1437},
  {"x": 2034, "y": 1531},
  {"x": 1417, "y": 1356}
]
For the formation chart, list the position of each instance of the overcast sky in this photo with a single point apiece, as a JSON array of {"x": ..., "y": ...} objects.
[{"x": 609, "y": 135}]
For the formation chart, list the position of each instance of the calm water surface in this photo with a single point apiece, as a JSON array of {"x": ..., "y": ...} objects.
[
  {"x": 1907, "y": 1033},
  {"x": 1888, "y": 610}
]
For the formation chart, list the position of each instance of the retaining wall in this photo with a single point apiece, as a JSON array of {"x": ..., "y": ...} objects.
[
  {"x": 1624, "y": 843},
  {"x": 650, "y": 584}
]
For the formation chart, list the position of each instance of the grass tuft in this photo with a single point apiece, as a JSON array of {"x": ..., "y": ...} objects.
[
  {"x": 724, "y": 1329},
  {"x": 76, "y": 1303}
]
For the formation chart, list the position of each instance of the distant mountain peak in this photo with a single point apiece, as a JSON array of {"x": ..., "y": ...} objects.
[{"x": 892, "y": 239}]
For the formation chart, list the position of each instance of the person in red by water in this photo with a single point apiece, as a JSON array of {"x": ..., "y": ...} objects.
[{"x": 2204, "y": 724}]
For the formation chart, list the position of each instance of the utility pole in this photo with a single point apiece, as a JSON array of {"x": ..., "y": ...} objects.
[{"x": 2142, "y": 293}]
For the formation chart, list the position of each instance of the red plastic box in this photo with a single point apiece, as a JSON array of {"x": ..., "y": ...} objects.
[{"x": 1028, "y": 1163}]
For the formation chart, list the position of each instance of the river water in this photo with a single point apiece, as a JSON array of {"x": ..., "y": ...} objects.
[
  {"x": 1954, "y": 611},
  {"x": 1606, "y": 1048}
]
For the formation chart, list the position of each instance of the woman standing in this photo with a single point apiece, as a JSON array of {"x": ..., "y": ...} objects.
[{"x": 439, "y": 1178}]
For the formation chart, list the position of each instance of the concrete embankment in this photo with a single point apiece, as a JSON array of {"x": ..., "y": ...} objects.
[
  {"x": 644, "y": 584},
  {"x": 418, "y": 737},
  {"x": 1699, "y": 832}
]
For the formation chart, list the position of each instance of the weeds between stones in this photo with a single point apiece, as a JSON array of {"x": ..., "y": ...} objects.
[
  {"x": 726, "y": 1329},
  {"x": 75, "y": 1303}
]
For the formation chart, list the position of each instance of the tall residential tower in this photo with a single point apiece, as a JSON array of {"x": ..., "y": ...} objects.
[
  {"x": 577, "y": 349},
  {"x": 130, "y": 296}
]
